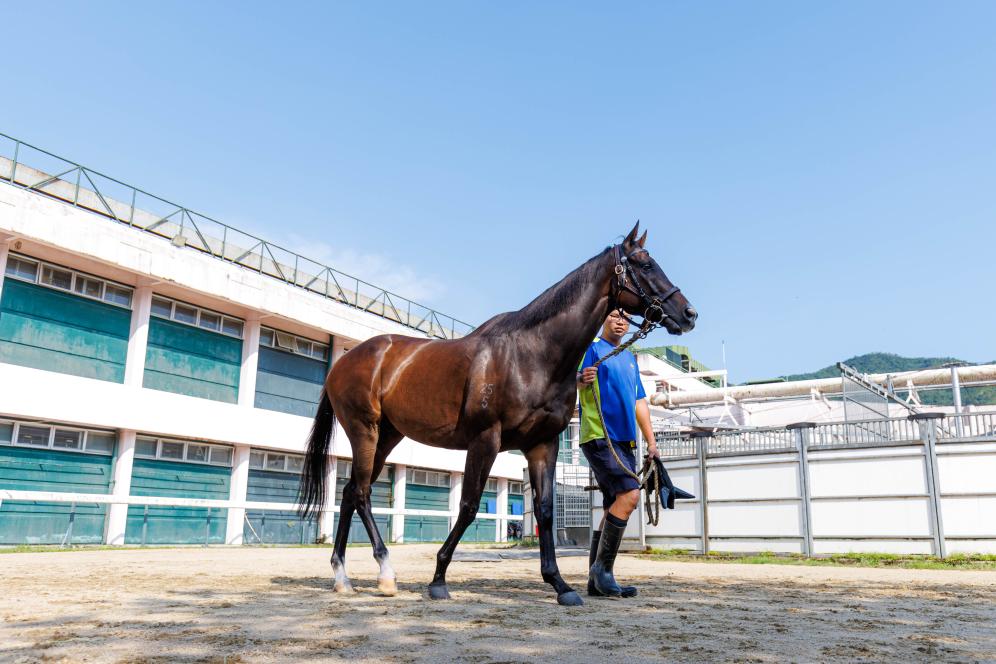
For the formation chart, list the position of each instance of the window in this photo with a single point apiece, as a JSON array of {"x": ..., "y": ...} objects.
[
  {"x": 102, "y": 443},
  {"x": 146, "y": 447},
  {"x": 430, "y": 478},
  {"x": 293, "y": 344},
  {"x": 162, "y": 308},
  {"x": 117, "y": 295},
  {"x": 53, "y": 276},
  {"x": 178, "y": 450},
  {"x": 67, "y": 440},
  {"x": 232, "y": 327},
  {"x": 188, "y": 314},
  {"x": 33, "y": 436},
  {"x": 168, "y": 450},
  {"x": 22, "y": 269},
  {"x": 89, "y": 287},
  {"x": 57, "y": 438},
  {"x": 221, "y": 456},
  {"x": 210, "y": 321},
  {"x": 291, "y": 463},
  {"x": 491, "y": 485},
  {"x": 515, "y": 487},
  {"x": 197, "y": 453},
  {"x": 56, "y": 278},
  {"x": 184, "y": 314}
]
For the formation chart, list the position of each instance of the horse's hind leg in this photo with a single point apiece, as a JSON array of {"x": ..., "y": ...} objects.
[
  {"x": 346, "y": 509},
  {"x": 388, "y": 438}
]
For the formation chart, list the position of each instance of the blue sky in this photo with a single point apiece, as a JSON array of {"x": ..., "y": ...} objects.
[{"x": 820, "y": 179}]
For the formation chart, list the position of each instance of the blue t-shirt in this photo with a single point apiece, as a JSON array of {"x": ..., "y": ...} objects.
[{"x": 618, "y": 387}]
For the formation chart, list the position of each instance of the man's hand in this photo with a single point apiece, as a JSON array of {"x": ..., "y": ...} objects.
[
  {"x": 652, "y": 451},
  {"x": 587, "y": 376}
]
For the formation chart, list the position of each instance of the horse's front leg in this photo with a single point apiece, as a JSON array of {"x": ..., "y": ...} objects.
[
  {"x": 542, "y": 475},
  {"x": 480, "y": 457}
]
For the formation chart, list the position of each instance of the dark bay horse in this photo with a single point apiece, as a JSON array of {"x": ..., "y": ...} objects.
[{"x": 508, "y": 385}]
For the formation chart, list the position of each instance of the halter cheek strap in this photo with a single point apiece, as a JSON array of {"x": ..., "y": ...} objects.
[{"x": 654, "y": 313}]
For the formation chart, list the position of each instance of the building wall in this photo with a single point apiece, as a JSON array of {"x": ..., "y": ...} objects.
[
  {"x": 169, "y": 525},
  {"x": 289, "y": 383},
  {"x": 39, "y": 522},
  {"x": 64, "y": 358},
  {"x": 276, "y": 526},
  {"x": 381, "y": 495},
  {"x": 426, "y": 528},
  {"x": 191, "y": 361},
  {"x": 56, "y": 331}
]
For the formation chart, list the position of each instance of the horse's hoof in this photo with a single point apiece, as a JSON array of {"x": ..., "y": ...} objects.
[
  {"x": 439, "y": 591},
  {"x": 343, "y": 587},
  {"x": 387, "y": 586},
  {"x": 570, "y": 598}
]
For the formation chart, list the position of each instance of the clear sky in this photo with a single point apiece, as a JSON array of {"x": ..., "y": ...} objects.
[{"x": 819, "y": 178}]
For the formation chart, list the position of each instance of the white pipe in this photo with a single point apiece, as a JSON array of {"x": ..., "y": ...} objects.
[{"x": 820, "y": 385}]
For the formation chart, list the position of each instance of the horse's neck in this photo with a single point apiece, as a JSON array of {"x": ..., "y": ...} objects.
[{"x": 568, "y": 334}]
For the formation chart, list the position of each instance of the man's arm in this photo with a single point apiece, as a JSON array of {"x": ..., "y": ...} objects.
[{"x": 643, "y": 420}]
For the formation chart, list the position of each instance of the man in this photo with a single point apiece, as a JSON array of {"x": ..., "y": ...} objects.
[{"x": 616, "y": 384}]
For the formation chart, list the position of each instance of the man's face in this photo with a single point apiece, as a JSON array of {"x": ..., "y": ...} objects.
[{"x": 615, "y": 325}]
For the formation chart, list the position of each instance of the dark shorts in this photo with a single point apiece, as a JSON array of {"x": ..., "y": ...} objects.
[{"x": 612, "y": 479}]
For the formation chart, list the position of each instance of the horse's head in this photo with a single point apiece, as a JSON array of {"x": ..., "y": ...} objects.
[{"x": 641, "y": 288}]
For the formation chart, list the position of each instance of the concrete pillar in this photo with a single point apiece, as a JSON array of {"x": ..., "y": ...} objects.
[
  {"x": 456, "y": 493},
  {"x": 398, "y": 520},
  {"x": 138, "y": 336},
  {"x": 238, "y": 490},
  {"x": 250, "y": 362},
  {"x": 117, "y": 514},
  {"x": 501, "y": 529},
  {"x": 339, "y": 347},
  {"x": 326, "y": 520}
]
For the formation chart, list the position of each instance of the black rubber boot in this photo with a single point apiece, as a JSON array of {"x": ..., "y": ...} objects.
[
  {"x": 627, "y": 591},
  {"x": 608, "y": 546}
]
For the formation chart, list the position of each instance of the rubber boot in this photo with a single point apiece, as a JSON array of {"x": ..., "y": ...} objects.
[
  {"x": 608, "y": 546},
  {"x": 627, "y": 591}
]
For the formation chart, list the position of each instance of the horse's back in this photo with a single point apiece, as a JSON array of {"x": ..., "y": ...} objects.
[{"x": 416, "y": 384}]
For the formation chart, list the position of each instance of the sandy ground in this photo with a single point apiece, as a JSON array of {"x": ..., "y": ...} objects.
[{"x": 266, "y": 605}]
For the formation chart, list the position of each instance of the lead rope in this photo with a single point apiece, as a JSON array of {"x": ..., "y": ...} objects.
[{"x": 649, "y": 479}]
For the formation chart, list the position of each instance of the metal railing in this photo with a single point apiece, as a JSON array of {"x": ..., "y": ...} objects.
[
  {"x": 863, "y": 433},
  {"x": 31, "y": 168}
]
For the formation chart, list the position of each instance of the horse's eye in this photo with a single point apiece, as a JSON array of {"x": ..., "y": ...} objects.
[{"x": 647, "y": 267}]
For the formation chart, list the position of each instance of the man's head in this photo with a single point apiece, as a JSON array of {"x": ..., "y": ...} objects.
[{"x": 615, "y": 328}]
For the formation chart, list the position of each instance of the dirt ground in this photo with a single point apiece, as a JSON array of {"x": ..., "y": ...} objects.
[{"x": 268, "y": 605}]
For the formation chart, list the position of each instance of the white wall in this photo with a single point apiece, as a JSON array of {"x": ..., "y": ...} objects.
[{"x": 865, "y": 499}]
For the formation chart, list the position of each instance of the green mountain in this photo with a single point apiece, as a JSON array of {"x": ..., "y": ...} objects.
[{"x": 890, "y": 363}]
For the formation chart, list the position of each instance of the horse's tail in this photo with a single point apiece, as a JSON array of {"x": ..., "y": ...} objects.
[{"x": 311, "y": 496}]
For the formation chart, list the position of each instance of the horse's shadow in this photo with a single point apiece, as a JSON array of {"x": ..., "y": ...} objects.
[{"x": 503, "y": 588}]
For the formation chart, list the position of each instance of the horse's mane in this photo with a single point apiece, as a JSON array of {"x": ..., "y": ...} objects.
[{"x": 550, "y": 302}]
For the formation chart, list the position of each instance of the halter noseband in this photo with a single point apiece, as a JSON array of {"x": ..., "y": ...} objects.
[{"x": 654, "y": 314}]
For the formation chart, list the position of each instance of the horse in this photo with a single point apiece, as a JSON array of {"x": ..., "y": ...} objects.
[{"x": 508, "y": 385}]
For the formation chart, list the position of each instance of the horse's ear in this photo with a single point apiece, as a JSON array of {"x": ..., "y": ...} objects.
[
  {"x": 643, "y": 240},
  {"x": 631, "y": 238}
]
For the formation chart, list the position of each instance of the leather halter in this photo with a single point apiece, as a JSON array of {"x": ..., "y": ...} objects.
[{"x": 654, "y": 313}]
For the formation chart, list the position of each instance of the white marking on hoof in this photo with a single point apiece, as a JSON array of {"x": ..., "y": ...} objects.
[
  {"x": 386, "y": 579},
  {"x": 342, "y": 584},
  {"x": 387, "y": 586}
]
